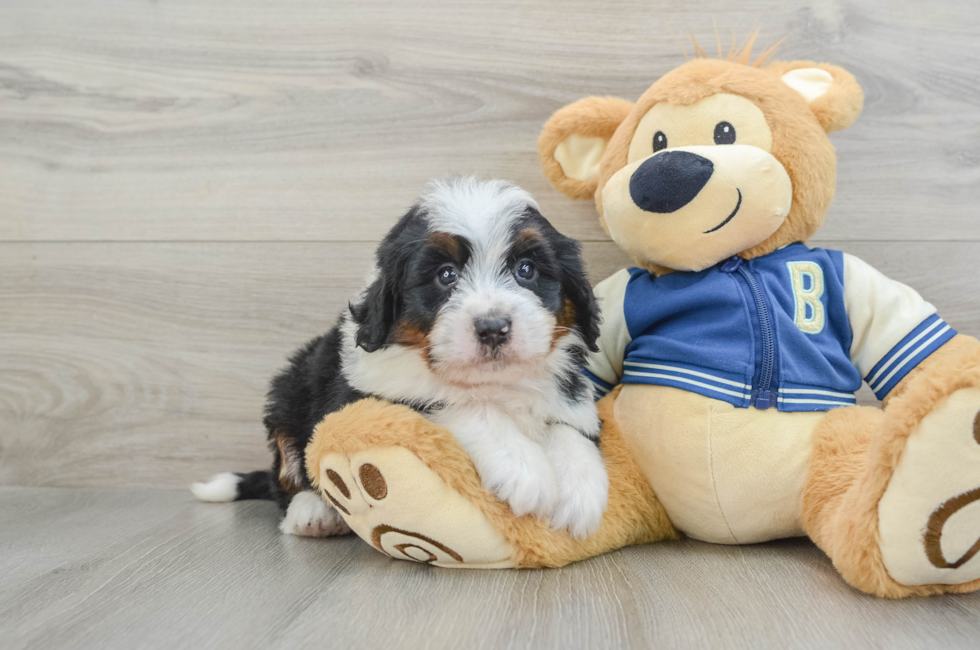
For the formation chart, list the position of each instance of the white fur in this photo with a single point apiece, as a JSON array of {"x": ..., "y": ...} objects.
[
  {"x": 220, "y": 488},
  {"x": 483, "y": 213},
  {"x": 502, "y": 409},
  {"x": 308, "y": 516},
  {"x": 583, "y": 484},
  {"x": 510, "y": 464}
]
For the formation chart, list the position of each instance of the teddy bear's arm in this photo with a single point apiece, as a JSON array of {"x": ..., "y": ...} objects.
[
  {"x": 605, "y": 367},
  {"x": 893, "y": 329}
]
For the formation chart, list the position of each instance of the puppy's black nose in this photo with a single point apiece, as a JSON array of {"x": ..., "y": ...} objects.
[
  {"x": 669, "y": 181},
  {"x": 493, "y": 332}
]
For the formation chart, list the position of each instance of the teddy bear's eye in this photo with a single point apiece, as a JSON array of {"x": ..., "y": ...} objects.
[
  {"x": 724, "y": 133},
  {"x": 659, "y": 141}
]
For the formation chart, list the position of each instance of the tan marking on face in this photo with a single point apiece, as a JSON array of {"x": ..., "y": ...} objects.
[
  {"x": 527, "y": 237},
  {"x": 411, "y": 335},
  {"x": 564, "y": 322},
  {"x": 446, "y": 243}
]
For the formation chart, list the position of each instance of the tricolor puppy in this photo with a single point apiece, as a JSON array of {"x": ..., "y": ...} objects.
[{"x": 479, "y": 315}]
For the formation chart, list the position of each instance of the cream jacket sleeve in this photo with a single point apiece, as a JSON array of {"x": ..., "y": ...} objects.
[
  {"x": 892, "y": 328},
  {"x": 605, "y": 367}
]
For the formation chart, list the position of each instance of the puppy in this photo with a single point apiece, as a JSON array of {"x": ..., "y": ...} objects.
[{"x": 479, "y": 315}]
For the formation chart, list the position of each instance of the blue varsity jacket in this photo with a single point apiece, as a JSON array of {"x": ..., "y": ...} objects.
[{"x": 784, "y": 330}]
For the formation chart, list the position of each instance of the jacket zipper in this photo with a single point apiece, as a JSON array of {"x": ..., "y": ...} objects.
[{"x": 763, "y": 396}]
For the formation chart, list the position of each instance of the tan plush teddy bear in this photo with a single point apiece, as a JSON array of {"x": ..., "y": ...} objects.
[{"x": 729, "y": 359}]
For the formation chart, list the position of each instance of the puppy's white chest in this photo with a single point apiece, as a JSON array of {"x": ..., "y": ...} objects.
[{"x": 484, "y": 414}]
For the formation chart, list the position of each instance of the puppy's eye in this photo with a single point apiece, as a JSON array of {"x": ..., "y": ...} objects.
[
  {"x": 526, "y": 270},
  {"x": 659, "y": 141},
  {"x": 724, "y": 133},
  {"x": 447, "y": 276}
]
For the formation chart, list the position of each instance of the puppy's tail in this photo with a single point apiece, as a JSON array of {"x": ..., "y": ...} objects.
[{"x": 230, "y": 486}]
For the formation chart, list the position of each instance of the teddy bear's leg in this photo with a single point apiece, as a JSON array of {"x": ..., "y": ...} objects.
[
  {"x": 893, "y": 496},
  {"x": 409, "y": 490}
]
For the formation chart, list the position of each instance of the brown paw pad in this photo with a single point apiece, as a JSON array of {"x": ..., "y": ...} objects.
[
  {"x": 406, "y": 545},
  {"x": 373, "y": 481}
]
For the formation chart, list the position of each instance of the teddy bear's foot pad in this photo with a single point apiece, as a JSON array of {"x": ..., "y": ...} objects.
[
  {"x": 929, "y": 516},
  {"x": 395, "y": 503}
]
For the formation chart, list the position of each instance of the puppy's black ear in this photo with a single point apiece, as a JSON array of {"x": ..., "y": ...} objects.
[
  {"x": 376, "y": 314},
  {"x": 380, "y": 309},
  {"x": 576, "y": 288}
]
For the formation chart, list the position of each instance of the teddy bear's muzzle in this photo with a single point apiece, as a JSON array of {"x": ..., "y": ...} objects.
[
  {"x": 669, "y": 181},
  {"x": 725, "y": 198}
]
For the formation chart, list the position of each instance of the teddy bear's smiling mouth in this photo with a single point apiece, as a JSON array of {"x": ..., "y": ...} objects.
[{"x": 730, "y": 217}]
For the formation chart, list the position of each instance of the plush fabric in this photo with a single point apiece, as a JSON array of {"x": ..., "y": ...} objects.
[
  {"x": 365, "y": 432},
  {"x": 592, "y": 117},
  {"x": 891, "y": 494},
  {"x": 856, "y": 451},
  {"x": 725, "y": 475}
]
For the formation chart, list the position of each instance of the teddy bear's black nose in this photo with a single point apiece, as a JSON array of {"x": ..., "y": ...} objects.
[{"x": 669, "y": 181}]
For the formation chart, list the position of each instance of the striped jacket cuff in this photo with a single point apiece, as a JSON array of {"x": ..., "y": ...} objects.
[
  {"x": 724, "y": 386},
  {"x": 922, "y": 341},
  {"x": 601, "y": 387}
]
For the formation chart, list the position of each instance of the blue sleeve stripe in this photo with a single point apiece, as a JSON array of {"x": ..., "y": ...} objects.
[
  {"x": 685, "y": 382},
  {"x": 788, "y": 400},
  {"x": 909, "y": 358},
  {"x": 920, "y": 331},
  {"x": 684, "y": 370},
  {"x": 600, "y": 388},
  {"x": 810, "y": 392},
  {"x": 598, "y": 381}
]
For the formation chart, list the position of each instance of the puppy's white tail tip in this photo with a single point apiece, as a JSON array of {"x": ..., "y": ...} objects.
[{"x": 220, "y": 488}]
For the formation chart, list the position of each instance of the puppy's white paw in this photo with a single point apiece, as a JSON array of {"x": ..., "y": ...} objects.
[
  {"x": 308, "y": 516},
  {"x": 522, "y": 476},
  {"x": 583, "y": 484}
]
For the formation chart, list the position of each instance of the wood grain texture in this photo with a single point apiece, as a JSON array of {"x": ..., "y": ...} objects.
[
  {"x": 306, "y": 120},
  {"x": 153, "y": 569},
  {"x": 190, "y": 189},
  {"x": 145, "y": 364}
]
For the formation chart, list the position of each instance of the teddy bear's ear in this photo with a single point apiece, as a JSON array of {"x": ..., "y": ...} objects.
[
  {"x": 575, "y": 138},
  {"x": 833, "y": 94}
]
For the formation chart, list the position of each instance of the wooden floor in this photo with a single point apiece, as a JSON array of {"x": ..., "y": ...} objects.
[
  {"x": 189, "y": 189},
  {"x": 153, "y": 569}
]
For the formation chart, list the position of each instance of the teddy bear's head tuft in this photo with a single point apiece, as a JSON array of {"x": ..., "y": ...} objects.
[{"x": 717, "y": 158}]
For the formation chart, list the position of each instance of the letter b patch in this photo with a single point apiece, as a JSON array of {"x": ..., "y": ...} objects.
[{"x": 807, "y": 279}]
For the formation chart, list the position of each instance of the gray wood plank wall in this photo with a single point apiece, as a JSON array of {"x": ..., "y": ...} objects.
[{"x": 189, "y": 190}]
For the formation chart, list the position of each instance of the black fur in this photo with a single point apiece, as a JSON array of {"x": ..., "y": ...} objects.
[
  {"x": 377, "y": 314},
  {"x": 312, "y": 386},
  {"x": 574, "y": 386},
  {"x": 405, "y": 294},
  {"x": 562, "y": 275},
  {"x": 254, "y": 485},
  {"x": 408, "y": 259},
  {"x": 309, "y": 389}
]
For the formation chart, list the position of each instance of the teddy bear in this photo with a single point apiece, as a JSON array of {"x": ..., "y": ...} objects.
[{"x": 728, "y": 360}]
